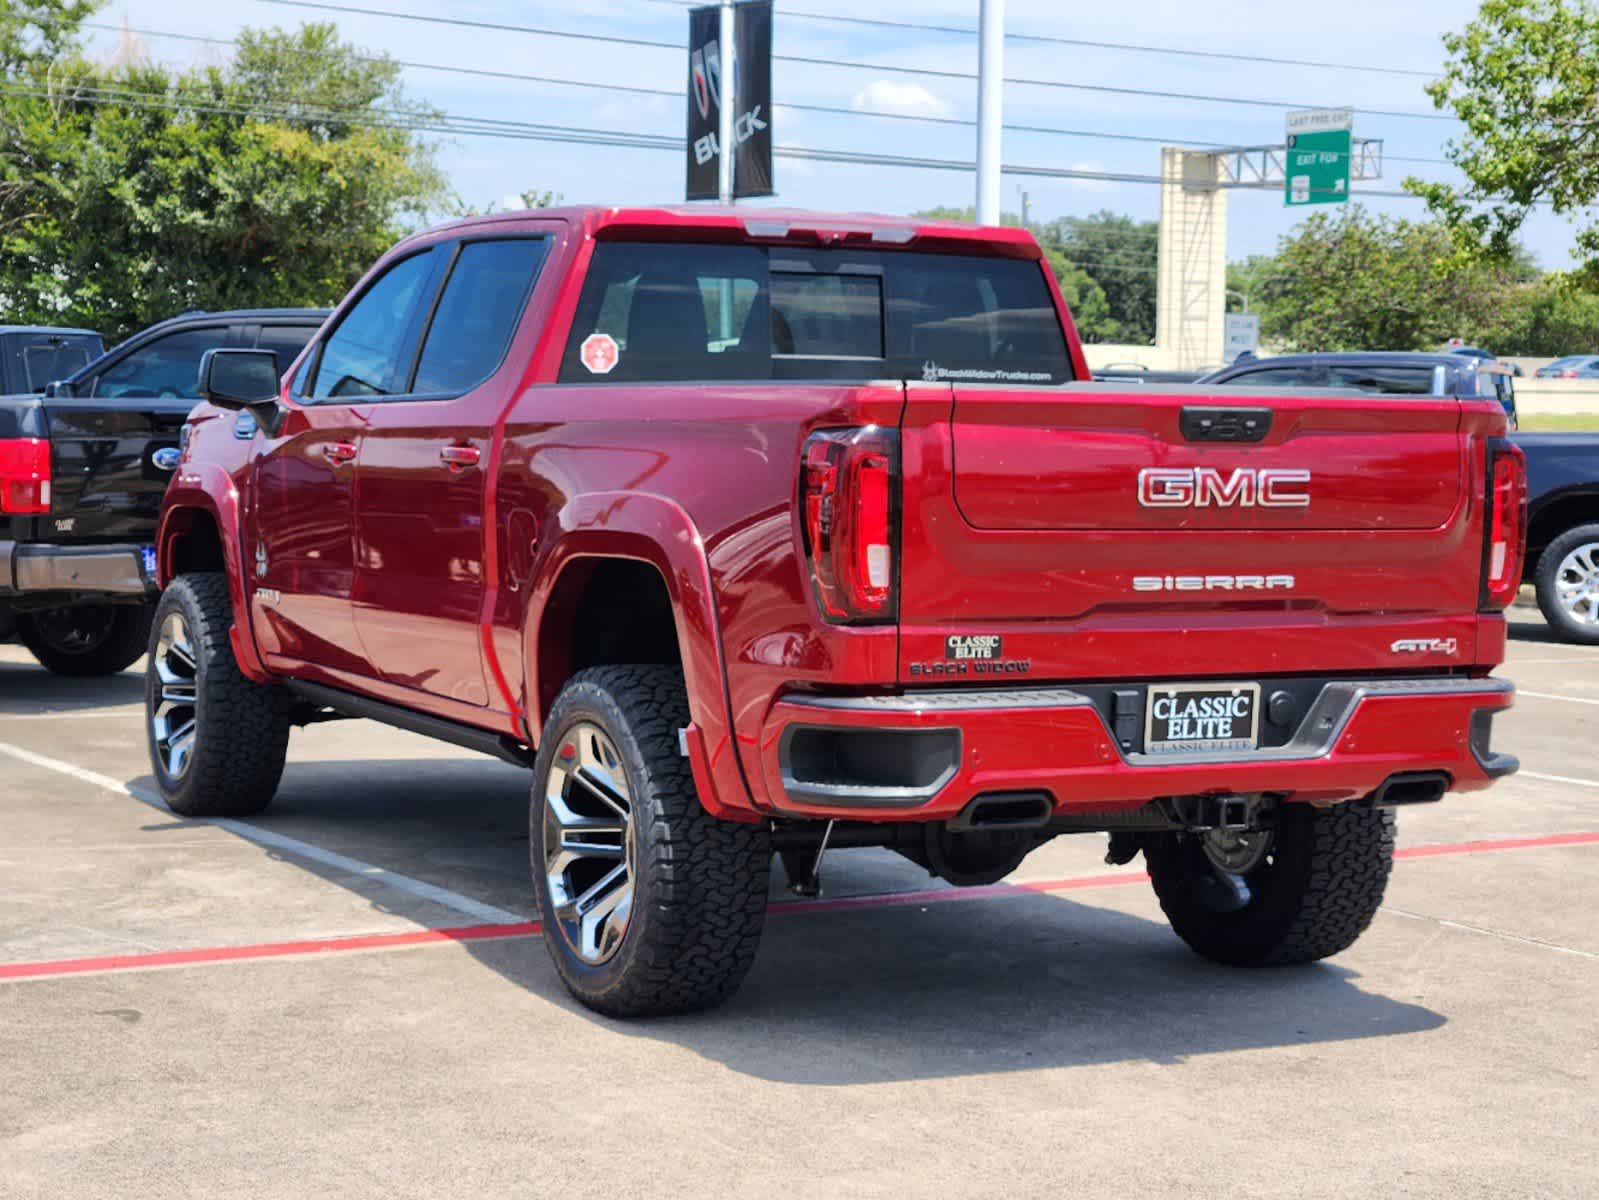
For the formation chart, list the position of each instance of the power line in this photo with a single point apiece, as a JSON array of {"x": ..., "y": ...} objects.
[
  {"x": 1051, "y": 40},
  {"x": 808, "y": 60},
  {"x": 447, "y": 123},
  {"x": 676, "y": 94}
]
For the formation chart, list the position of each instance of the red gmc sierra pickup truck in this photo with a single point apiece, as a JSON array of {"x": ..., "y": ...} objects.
[{"x": 757, "y": 532}]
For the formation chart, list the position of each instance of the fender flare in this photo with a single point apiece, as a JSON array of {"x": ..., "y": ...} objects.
[
  {"x": 207, "y": 488},
  {"x": 655, "y": 530}
]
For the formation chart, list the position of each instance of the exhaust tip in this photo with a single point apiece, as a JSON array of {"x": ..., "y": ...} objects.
[
  {"x": 1005, "y": 810},
  {"x": 1411, "y": 787}
]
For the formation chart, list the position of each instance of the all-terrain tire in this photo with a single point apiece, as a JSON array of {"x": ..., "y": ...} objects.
[
  {"x": 240, "y": 730},
  {"x": 699, "y": 884},
  {"x": 1545, "y": 580},
  {"x": 1314, "y": 893},
  {"x": 86, "y": 640}
]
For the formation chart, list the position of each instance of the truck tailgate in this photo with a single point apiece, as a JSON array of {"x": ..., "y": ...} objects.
[
  {"x": 1106, "y": 533},
  {"x": 105, "y": 484}
]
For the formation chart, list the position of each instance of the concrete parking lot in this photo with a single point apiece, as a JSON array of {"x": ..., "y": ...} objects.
[{"x": 345, "y": 997}]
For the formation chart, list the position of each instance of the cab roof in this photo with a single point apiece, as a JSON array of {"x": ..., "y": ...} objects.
[{"x": 712, "y": 222}]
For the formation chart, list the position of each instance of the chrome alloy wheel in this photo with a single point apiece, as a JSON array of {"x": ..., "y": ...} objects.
[
  {"x": 174, "y": 712},
  {"x": 588, "y": 848},
  {"x": 1577, "y": 584}
]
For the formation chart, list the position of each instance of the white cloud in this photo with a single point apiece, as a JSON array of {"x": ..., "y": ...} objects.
[{"x": 901, "y": 99}]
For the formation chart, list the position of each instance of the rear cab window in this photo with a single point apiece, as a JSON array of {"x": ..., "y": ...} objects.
[
  {"x": 46, "y": 359},
  {"x": 686, "y": 312}
]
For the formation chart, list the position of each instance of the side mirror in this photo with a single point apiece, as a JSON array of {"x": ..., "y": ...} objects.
[{"x": 243, "y": 379}]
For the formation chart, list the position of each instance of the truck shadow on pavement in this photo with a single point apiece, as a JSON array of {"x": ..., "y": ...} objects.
[
  {"x": 840, "y": 997},
  {"x": 1537, "y": 631},
  {"x": 26, "y": 688}
]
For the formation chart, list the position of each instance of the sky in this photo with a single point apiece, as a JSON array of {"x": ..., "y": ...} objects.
[{"x": 1380, "y": 34}]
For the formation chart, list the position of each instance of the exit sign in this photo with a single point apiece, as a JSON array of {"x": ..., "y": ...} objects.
[{"x": 1316, "y": 160}]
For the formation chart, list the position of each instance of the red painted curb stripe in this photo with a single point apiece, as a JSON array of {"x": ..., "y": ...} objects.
[
  {"x": 521, "y": 929},
  {"x": 1553, "y": 839},
  {"x": 215, "y": 954}
]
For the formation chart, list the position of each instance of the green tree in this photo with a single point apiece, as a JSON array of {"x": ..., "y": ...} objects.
[
  {"x": 1119, "y": 253},
  {"x": 1523, "y": 78},
  {"x": 274, "y": 180},
  {"x": 39, "y": 31},
  {"x": 1549, "y": 317},
  {"x": 1355, "y": 281}
]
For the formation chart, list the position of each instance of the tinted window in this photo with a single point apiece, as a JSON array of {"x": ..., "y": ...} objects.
[
  {"x": 1390, "y": 381},
  {"x": 55, "y": 358},
  {"x": 286, "y": 341},
  {"x": 987, "y": 320},
  {"x": 687, "y": 312},
  {"x": 671, "y": 312},
  {"x": 1274, "y": 377},
  {"x": 833, "y": 316},
  {"x": 168, "y": 366},
  {"x": 477, "y": 313},
  {"x": 359, "y": 358}
]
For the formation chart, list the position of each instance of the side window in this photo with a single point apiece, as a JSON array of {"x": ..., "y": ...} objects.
[
  {"x": 657, "y": 312},
  {"x": 286, "y": 341},
  {"x": 1390, "y": 381},
  {"x": 1273, "y": 377},
  {"x": 168, "y": 366},
  {"x": 477, "y": 312},
  {"x": 52, "y": 358},
  {"x": 359, "y": 357}
]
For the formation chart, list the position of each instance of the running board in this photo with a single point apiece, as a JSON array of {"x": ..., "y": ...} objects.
[{"x": 469, "y": 737}]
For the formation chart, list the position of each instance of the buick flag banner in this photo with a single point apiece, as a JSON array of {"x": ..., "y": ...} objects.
[{"x": 751, "y": 72}]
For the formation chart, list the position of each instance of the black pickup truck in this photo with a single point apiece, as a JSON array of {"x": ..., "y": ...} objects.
[
  {"x": 82, "y": 472},
  {"x": 31, "y": 356},
  {"x": 1563, "y": 530}
]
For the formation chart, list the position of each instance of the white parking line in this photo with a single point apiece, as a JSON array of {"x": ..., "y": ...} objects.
[
  {"x": 1494, "y": 933},
  {"x": 97, "y": 715},
  {"x": 443, "y": 897},
  {"x": 1553, "y": 696},
  {"x": 1592, "y": 783}
]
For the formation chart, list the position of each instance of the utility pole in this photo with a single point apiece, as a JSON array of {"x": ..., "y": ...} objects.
[
  {"x": 990, "y": 92},
  {"x": 727, "y": 103},
  {"x": 1026, "y": 213}
]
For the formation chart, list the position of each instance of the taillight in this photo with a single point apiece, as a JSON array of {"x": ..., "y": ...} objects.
[
  {"x": 847, "y": 496},
  {"x": 1506, "y": 524},
  {"x": 24, "y": 475}
]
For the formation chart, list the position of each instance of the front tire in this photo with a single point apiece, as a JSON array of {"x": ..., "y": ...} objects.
[
  {"x": 1311, "y": 892},
  {"x": 1567, "y": 582},
  {"x": 649, "y": 904},
  {"x": 86, "y": 640},
  {"x": 217, "y": 740}
]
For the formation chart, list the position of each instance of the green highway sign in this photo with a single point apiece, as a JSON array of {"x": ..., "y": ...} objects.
[{"x": 1316, "y": 160}]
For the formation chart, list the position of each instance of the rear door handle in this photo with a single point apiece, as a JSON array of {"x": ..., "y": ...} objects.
[
  {"x": 460, "y": 456},
  {"x": 338, "y": 453}
]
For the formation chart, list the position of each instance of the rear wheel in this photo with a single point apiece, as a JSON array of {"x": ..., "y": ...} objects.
[
  {"x": 1300, "y": 891},
  {"x": 1567, "y": 581},
  {"x": 86, "y": 639},
  {"x": 650, "y": 905},
  {"x": 217, "y": 740}
]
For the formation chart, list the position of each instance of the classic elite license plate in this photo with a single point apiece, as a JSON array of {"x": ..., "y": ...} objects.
[{"x": 1183, "y": 718}]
